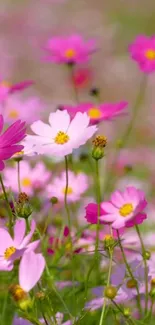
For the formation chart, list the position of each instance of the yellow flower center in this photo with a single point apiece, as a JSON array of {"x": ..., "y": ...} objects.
[
  {"x": 13, "y": 113},
  {"x": 150, "y": 54},
  {"x": 94, "y": 112},
  {"x": 126, "y": 209},
  {"x": 69, "y": 190},
  {"x": 20, "y": 153},
  {"x": 61, "y": 138},
  {"x": 26, "y": 181},
  {"x": 108, "y": 237},
  {"x": 9, "y": 252},
  {"x": 70, "y": 53}
]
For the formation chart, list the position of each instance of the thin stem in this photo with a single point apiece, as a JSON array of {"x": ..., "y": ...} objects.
[
  {"x": 108, "y": 282},
  {"x": 18, "y": 173},
  {"x": 130, "y": 272},
  {"x": 128, "y": 320},
  {"x": 8, "y": 205},
  {"x": 65, "y": 199},
  {"x": 98, "y": 190},
  {"x": 71, "y": 68},
  {"x": 145, "y": 269}
]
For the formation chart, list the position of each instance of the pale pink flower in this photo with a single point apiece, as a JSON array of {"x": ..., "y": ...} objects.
[
  {"x": 77, "y": 186},
  {"x": 125, "y": 209},
  {"x": 16, "y": 108},
  {"x": 71, "y": 49},
  {"x": 31, "y": 179},
  {"x": 62, "y": 135},
  {"x": 13, "y": 248},
  {"x": 30, "y": 270}
]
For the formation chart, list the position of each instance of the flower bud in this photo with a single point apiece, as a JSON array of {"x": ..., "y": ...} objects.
[
  {"x": 152, "y": 293},
  {"x": 40, "y": 295},
  {"x": 126, "y": 312},
  {"x": 147, "y": 255},
  {"x": 24, "y": 210},
  {"x": 100, "y": 143},
  {"x": 110, "y": 292},
  {"x": 21, "y": 297},
  {"x": 131, "y": 284},
  {"x": 153, "y": 282},
  {"x": 109, "y": 242},
  {"x": 94, "y": 91},
  {"x": 54, "y": 200}
]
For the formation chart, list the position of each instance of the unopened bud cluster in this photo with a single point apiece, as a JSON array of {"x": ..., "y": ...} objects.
[
  {"x": 23, "y": 207},
  {"x": 99, "y": 143}
]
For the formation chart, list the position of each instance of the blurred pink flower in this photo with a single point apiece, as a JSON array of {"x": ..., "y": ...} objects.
[
  {"x": 9, "y": 139},
  {"x": 125, "y": 209},
  {"x": 30, "y": 270},
  {"x": 82, "y": 77},
  {"x": 6, "y": 88},
  {"x": 31, "y": 179},
  {"x": 142, "y": 51},
  {"x": 98, "y": 113},
  {"x": 15, "y": 107},
  {"x": 77, "y": 186},
  {"x": 13, "y": 248},
  {"x": 92, "y": 213},
  {"x": 71, "y": 50},
  {"x": 62, "y": 135}
]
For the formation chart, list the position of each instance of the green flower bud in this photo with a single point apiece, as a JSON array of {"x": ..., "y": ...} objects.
[
  {"x": 54, "y": 200},
  {"x": 109, "y": 242},
  {"x": 152, "y": 293},
  {"x": 24, "y": 210},
  {"x": 132, "y": 283},
  {"x": 100, "y": 143},
  {"x": 126, "y": 312},
  {"x": 97, "y": 153},
  {"x": 110, "y": 292},
  {"x": 147, "y": 255}
]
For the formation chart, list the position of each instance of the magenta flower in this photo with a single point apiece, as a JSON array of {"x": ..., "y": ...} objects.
[
  {"x": 98, "y": 113},
  {"x": 9, "y": 139},
  {"x": 30, "y": 270},
  {"x": 6, "y": 88},
  {"x": 61, "y": 136},
  {"x": 72, "y": 49},
  {"x": 142, "y": 51},
  {"x": 77, "y": 186},
  {"x": 92, "y": 213},
  {"x": 13, "y": 248},
  {"x": 125, "y": 209}
]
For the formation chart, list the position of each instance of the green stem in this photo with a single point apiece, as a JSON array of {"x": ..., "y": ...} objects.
[
  {"x": 66, "y": 202},
  {"x": 98, "y": 190},
  {"x": 108, "y": 283},
  {"x": 130, "y": 272},
  {"x": 8, "y": 205},
  {"x": 128, "y": 320},
  {"x": 130, "y": 126},
  {"x": 145, "y": 269},
  {"x": 18, "y": 173}
]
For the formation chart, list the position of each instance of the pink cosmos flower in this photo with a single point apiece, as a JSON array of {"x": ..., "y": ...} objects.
[
  {"x": 13, "y": 248},
  {"x": 62, "y": 135},
  {"x": 82, "y": 77},
  {"x": 142, "y": 51},
  {"x": 16, "y": 108},
  {"x": 30, "y": 270},
  {"x": 77, "y": 186},
  {"x": 72, "y": 49},
  {"x": 9, "y": 139},
  {"x": 31, "y": 179},
  {"x": 98, "y": 113},
  {"x": 6, "y": 88},
  {"x": 125, "y": 209}
]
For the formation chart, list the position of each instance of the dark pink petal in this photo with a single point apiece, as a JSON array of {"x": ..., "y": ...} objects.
[{"x": 21, "y": 86}]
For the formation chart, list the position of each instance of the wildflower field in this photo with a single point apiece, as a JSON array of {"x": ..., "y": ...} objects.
[{"x": 77, "y": 162}]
